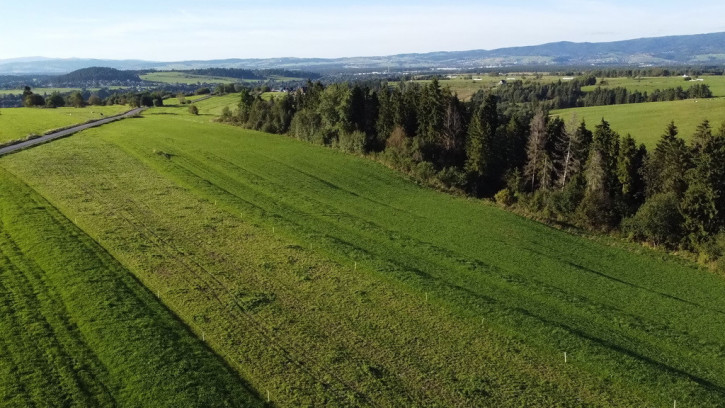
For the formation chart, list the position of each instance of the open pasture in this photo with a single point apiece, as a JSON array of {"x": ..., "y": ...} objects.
[
  {"x": 646, "y": 122},
  {"x": 466, "y": 85},
  {"x": 650, "y": 84},
  {"x": 78, "y": 329},
  {"x": 175, "y": 77},
  {"x": 328, "y": 279},
  {"x": 19, "y": 123}
]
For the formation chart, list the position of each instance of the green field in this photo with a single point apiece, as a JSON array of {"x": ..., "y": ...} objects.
[
  {"x": 78, "y": 330},
  {"x": 174, "y": 77},
  {"x": 19, "y": 123},
  {"x": 327, "y": 279},
  {"x": 646, "y": 122},
  {"x": 465, "y": 88},
  {"x": 48, "y": 91},
  {"x": 214, "y": 106},
  {"x": 649, "y": 84}
]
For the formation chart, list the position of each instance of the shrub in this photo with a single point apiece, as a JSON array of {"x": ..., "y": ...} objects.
[
  {"x": 658, "y": 221},
  {"x": 424, "y": 171},
  {"x": 505, "y": 197},
  {"x": 193, "y": 110},
  {"x": 354, "y": 142}
]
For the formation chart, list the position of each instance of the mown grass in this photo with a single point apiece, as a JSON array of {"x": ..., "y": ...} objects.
[
  {"x": 646, "y": 122},
  {"x": 650, "y": 84},
  {"x": 174, "y": 77},
  {"x": 78, "y": 330},
  {"x": 466, "y": 88},
  {"x": 331, "y": 280},
  {"x": 19, "y": 123},
  {"x": 214, "y": 106}
]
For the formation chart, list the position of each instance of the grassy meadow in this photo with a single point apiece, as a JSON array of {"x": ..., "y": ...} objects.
[
  {"x": 650, "y": 84},
  {"x": 175, "y": 77},
  {"x": 328, "y": 279},
  {"x": 78, "y": 329},
  {"x": 646, "y": 122},
  {"x": 213, "y": 106},
  {"x": 466, "y": 88},
  {"x": 19, "y": 123}
]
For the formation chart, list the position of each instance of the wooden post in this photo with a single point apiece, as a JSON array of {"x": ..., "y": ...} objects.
[
  {"x": 565, "y": 356},
  {"x": 355, "y": 265}
]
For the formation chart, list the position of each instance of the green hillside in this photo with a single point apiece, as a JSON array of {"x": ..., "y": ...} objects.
[
  {"x": 650, "y": 84},
  {"x": 175, "y": 77},
  {"x": 18, "y": 123},
  {"x": 78, "y": 330},
  {"x": 327, "y": 279},
  {"x": 646, "y": 122}
]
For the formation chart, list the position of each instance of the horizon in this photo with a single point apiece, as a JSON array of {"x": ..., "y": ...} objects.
[
  {"x": 254, "y": 29},
  {"x": 37, "y": 58}
]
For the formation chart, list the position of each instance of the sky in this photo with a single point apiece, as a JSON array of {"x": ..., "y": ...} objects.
[{"x": 163, "y": 30}]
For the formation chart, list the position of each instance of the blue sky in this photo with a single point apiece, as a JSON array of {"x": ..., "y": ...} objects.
[{"x": 209, "y": 29}]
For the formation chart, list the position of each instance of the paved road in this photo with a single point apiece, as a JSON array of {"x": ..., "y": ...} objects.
[{"x": 67, "y": 132}]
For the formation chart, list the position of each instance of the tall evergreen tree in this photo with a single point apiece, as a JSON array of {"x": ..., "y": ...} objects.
[
  {"x": 481, "y": 159},
  {"x": 667, "y": 165},
  {"x": 703, "y": 203},
  {"x": 629, "y": 174}
]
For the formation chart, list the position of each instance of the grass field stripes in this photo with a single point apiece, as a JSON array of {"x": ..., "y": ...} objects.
[
  {"x": 342, "y": 266},
  {"x": 79, "y": 330},
  {"x": 224, "y": 296},
  {"x": 315, "y": 304},
  {"x": 396, "y": 266}
]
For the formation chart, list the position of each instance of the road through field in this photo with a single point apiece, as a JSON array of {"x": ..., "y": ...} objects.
[{"x": 66, "y": 132}]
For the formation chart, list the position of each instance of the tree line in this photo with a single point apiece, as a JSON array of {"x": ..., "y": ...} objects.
[
  {"x": 79, "y": 99},
  {"x": 519, "y": 155},
  {"x": 569, "y": 94}
]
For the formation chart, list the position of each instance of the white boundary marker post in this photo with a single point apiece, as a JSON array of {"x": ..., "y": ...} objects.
[{"x": 565, "y": 356}]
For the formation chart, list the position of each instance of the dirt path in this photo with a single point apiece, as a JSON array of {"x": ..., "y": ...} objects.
[{"x": 66, "y": 132}]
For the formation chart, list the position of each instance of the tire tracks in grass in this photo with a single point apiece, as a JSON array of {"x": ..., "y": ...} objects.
[
  {"x": 198, "y": 271},
  {"x": 287, "y": 213},
  {"x": 60, "y": 337},
  {"x": 206, "y": 182}
]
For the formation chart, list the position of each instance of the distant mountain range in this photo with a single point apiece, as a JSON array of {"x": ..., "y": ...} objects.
[{"x": 700, "y": 49}]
